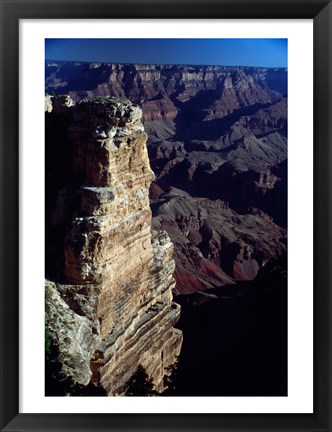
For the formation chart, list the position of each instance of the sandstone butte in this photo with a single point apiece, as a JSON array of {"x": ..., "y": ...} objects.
[{"x": 115, "y": 310}]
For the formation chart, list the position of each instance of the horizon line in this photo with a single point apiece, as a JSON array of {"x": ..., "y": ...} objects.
[{"x": 166, "y": 64}]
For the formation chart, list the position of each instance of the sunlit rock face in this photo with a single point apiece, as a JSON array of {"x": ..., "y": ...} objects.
[{"x": 119, "y": 271}]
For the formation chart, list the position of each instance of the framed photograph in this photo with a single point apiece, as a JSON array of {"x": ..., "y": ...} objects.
[{"x": 166, "y": 169}]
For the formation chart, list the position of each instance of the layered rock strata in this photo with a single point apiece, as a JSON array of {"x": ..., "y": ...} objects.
[
  {"x": 118, "y": 298},
  {"x": 164, "y": 90},
  {"x": 214, "y": 245},
  {"x": 217, "y": 136}
]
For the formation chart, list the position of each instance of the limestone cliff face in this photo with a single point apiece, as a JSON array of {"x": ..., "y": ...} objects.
[{"x": 120, "y": 273}]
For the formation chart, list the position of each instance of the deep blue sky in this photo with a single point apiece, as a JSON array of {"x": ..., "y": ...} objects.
[{"x": 226, "y": 52}]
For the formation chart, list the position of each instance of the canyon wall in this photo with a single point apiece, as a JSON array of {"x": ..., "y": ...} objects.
[
  {"x": 217, "y": 143},
  {"x": 162, "y": 90},
  {"x": 113, "y": 308}
]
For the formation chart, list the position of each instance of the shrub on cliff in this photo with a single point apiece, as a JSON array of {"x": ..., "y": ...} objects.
[
  {"x": 140, "y": 384},
  {"x": 170, "y": 379}
]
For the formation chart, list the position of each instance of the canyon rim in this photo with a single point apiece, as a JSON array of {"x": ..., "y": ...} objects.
[{"x": 166, "y": 229}]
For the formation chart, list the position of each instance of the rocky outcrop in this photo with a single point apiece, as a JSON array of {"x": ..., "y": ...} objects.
[
  {"x": 74, "y": 333},
  {"x": 118, "y": 291},
  {"x": 48, "y": 103},
  {"x": 214, "y": 245}
]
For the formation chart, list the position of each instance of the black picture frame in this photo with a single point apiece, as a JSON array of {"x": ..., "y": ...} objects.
[{"x": 11, "y": 12}]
